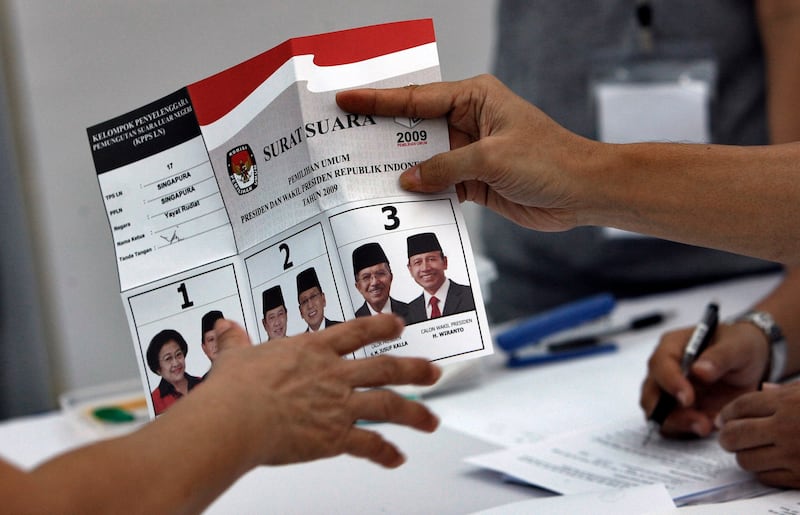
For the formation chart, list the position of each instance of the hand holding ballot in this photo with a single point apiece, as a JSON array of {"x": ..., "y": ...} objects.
[
  {"x": 493, "y": 161},
  {"x": 509, "y": 156}
]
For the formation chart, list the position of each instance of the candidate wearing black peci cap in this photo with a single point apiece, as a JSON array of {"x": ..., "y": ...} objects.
[
  {"x": 373, "y": 280},
  {"x": 311, "y": 301},
  {"x": 273, "y": 311},
  {"x": 440, "y": 296}
]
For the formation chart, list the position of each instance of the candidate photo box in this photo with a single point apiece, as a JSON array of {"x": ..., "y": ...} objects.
[
  {"x": 390, "y": 224},
  {"x": 280, "y": 263},
  {"x": 179, "y": 303}
]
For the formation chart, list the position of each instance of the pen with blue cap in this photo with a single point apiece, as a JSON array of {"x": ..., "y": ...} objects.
[
  {"x": 533, "y": 342},
  {"x": 698, "y": 342},
  {"x": 522, "y": 341},
  {"x": 532, "y": 330}
]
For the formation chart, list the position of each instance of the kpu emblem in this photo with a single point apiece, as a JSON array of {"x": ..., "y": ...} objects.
[
  {"x": 409, "y": 123},
  {"x": 242, "y": 169}
]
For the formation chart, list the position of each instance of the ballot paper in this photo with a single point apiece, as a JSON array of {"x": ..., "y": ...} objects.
[
  {"x": 614, "y": 457},
  {"x": 240, "y": 192}
]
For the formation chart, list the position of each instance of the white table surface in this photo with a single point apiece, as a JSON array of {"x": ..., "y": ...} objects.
[{"x": 495, "y": 405}]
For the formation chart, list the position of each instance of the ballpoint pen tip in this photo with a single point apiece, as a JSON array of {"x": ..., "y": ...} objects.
[{"x": 648, "y": 435}]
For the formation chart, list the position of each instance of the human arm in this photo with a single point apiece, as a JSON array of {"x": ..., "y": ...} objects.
[
  {"x": 284, "y": 402},
  {"x": 512, "y": 158},
  {"x": 740, "y": 351},
  {"x": 761, "y": 427}
]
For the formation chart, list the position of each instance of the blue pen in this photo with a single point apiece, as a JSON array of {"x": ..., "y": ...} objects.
[{"x": 537, "y": 327}]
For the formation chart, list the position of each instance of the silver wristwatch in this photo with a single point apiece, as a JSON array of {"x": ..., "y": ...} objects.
[{"x": 777, "y": 344}]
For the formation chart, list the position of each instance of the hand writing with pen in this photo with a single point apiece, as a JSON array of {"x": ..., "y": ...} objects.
[{"x": 721, "y": 391}]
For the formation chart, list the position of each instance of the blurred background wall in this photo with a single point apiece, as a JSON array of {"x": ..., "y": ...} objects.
[{"x": 69, "y": 65}]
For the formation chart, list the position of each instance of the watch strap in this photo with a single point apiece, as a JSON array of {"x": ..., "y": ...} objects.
[{"x": 777, "y": 343}]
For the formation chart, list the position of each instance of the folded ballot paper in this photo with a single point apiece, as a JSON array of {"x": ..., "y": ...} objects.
[{"x": 250, "y": 195}]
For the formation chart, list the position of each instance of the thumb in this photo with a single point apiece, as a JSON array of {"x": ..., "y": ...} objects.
[
  {"x": 442, "y": 170},
  {"x": 717, "y": 361}
]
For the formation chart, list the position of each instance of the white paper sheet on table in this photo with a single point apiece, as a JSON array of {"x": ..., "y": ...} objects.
[
  {"x": 614, "y": 457},
  {"x": 780, "y": 503},
  {"x": 640, "y": 500},
  {"x": 508, "y": 410}
]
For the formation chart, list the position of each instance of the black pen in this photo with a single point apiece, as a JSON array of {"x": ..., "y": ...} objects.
[
  {"x": 698, "y": 342},
  {"x": 597, "y": 337}
]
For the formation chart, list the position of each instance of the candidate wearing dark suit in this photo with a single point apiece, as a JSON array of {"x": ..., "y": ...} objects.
[
  {"x": 397, "y": 307},
  {"x": 274, "y": 315},
  {"x": 373, "y": 279},
  {"x": 311, "y": 301},
  {"x": 440, "y": 296}
]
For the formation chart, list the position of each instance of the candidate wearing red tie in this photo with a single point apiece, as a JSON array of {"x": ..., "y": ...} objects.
[{"x": 440, "y": 296}]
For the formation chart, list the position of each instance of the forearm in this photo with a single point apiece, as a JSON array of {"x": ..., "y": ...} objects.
[
  {"x": 740, "y": 199},
  {"x": 178, "y": 464},
  {"x": 734, "y": 181}
]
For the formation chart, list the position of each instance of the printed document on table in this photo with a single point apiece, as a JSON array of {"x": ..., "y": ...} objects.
[
  {"x": 638, "y": 500},
  {"x": 615, "y": 457},
  {"x": 780, "y": 503},
  {"x": 250, "y": 195}
]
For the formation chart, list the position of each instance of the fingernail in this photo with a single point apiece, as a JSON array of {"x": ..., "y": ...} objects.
[
  {"x": 697, "y": 429},
  {"x": 718, "y": 423},
  {"x": 222, "y": 324},
  {"x": 683, "y": 398},
  {"x": 704, "y": 365},
  {"x": 410, "y": 179}
]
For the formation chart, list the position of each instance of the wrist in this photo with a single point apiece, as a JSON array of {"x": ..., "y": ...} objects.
[
  {"x": 599, "y": 190},
  {"x": 773, "y": 335},
  {"x": 627, "y": 187}
]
